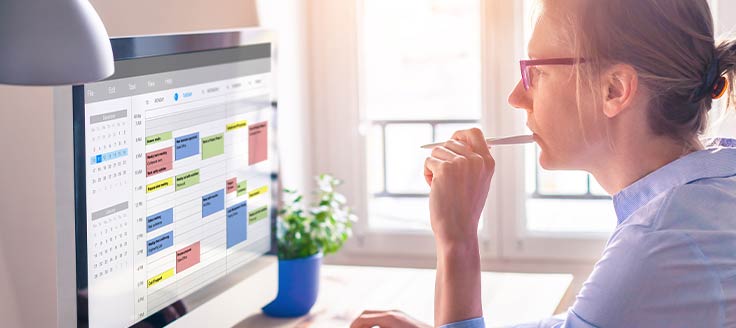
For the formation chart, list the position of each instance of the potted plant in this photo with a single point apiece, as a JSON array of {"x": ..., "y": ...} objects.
[{"x": 304, "y": 237}]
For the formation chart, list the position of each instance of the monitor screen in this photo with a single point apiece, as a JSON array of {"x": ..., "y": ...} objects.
[{"x": 174, "y": 170}]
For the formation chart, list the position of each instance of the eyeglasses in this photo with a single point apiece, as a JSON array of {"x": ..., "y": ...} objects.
[{"x": 526, "y": 76}]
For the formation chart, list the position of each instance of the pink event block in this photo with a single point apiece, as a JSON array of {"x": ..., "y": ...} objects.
[
  {"x": 159, "y": 161},
  {"x": 187, "y": 257},
  {"x": 232, "y": 185},
  {"x": 257, "y": 143}
]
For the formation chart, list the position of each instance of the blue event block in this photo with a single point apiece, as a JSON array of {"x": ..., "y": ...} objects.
[
  {"x": 237, "y": 224},
  {"x": 187, "y": 146},
  {"x": 160, "y": 243},
  {"x": 159, "y": 220},
  {"x": 213, "y": 203}
]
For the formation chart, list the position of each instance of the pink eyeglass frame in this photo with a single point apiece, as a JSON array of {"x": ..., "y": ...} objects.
[{"x": 525, "y": 64}]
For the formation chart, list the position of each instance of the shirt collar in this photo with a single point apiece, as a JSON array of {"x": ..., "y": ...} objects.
[{"x": 718, "y": 160}]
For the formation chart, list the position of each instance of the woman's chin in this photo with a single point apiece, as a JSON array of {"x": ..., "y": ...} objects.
[
  {"x": 544, "y": 163},
  {"x": 548, "y": 163}
]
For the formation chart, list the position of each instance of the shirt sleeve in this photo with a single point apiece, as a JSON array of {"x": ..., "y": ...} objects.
[
  {"x": 569, "y": 320},
  {"x": 470, "y": 323}
]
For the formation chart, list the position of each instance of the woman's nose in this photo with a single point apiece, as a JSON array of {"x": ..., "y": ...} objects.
[{"x": 519, "y": 98}]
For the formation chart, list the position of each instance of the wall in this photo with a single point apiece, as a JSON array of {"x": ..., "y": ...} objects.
[
  {"x": 27, "y": 237},
  {"x": 8, "y": 308},
  {"x": 289, "y": 19},
  {"x": 27, "y": 198},
  {"x": 135, "y": 17}
]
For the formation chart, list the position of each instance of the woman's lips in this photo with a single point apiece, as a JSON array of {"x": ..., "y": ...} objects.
[{"x": 536, "y": 138}]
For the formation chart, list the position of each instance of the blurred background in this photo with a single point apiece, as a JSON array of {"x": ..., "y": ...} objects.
[{"x": 361, "y": 85}]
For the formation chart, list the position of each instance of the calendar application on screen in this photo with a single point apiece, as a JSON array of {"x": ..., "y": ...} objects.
[{"x": 177, "y": 184}]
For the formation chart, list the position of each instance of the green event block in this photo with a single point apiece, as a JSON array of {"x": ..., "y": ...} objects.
[
  {"x": 186, "y": 180},
  {"x": 257, "y": 214},
  {"x": 213, "y": 145},
  {"x": 242, "y": 188},
  {"x": 158, "y": 138}
]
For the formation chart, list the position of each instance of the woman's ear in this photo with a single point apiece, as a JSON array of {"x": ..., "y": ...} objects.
[{"x": 620, "y": 85}]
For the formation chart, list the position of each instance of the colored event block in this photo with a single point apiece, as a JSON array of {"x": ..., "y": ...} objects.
[
  {"x": 237, "y": 224},
  {"x": 161, "y": 277},
  {"x": 213, "y": 146},
  {"x": 158, "y": 185},
  {"x": 159, "y": 220},
  {"x": 159, "y": 161},
  {"x": 187, "y": 146},
  {"x": 242, "y": 188},
  {"x": 158, "y": 138},
  {"x": 237, "y": 125},
  {"x": 258, "y": 214},
  {"x": 232, "y": 185},
  {"x": 258, "y": 192},
  {"x": 186, "y": 180},
  {"x": 187, "y": 257},
  {"x": 257, "y": 143},
  {"x": 160, "y": 243},
  {"x": 213, "y": 203}
]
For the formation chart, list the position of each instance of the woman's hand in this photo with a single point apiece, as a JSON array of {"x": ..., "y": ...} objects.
[
  {"x": 459, "y": 174},
  {"x": 387, "y": 319}
]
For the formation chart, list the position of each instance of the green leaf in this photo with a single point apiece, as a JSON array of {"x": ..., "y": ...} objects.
[{"x": 321, "y": 227}]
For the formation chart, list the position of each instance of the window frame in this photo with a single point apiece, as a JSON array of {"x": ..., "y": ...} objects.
[{"x": 504, "y": 235}]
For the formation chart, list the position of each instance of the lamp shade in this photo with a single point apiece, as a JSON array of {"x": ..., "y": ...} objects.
[{"x": 52, "y": 42}]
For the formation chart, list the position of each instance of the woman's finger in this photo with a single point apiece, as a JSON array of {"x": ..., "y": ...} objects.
[
  {"x": 372, "y": 311},
  {"x": 444, "y": 153},
  {"x": 459, "y": 147},
  {"x": 375, "y": 319},
  {"x": 473, "y": 137},
  {"x": 431, "y": 164}
]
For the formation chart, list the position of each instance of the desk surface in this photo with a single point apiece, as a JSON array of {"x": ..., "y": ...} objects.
[{"x": 346, "y": 291}]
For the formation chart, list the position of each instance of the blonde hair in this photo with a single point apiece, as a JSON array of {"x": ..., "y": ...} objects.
[{"x": 671, "y": 45}]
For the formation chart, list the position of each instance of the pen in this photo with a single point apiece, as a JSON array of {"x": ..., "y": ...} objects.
[{"x": 523, "y": 139}]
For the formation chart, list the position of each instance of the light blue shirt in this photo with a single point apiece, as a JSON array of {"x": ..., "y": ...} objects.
[{"x": 671, "y": 262}]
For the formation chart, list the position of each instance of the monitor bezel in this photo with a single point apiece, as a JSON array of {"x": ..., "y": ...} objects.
[{"x": 137, "y": 47}]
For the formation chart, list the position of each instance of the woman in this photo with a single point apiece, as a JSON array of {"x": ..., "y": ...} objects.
[{"x": 621, "y": 89}]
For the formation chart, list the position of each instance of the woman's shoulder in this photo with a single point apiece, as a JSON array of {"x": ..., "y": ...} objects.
[
  {"x": 694, "y": 222},
  {"x": 706, "y": 204}
]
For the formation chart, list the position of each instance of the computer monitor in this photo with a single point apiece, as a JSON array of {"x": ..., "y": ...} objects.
[{"x": 174, "y": 174}]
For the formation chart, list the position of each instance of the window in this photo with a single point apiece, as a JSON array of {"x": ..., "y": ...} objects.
[
  {"x": 421, "y": 82},
  {"x": 412, "y": 72}
]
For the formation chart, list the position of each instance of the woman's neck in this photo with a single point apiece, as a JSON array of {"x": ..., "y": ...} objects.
[{"x": 631, "y": 159}]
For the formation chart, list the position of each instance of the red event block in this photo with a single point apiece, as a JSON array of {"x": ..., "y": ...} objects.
[
  {"x": 187, "y": 257},
  {"x": 159, "y": 161},
  {"x": 257, "y": 143},
  {"x": 232, "y": 185}
]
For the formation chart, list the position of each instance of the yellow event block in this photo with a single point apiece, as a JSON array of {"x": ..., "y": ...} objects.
[
  {"x": 237, "y": 125},
  {"x": 256, "y": 192},
  {"x": 159, "y": 185},
  {"x": 161, "y": 277}
]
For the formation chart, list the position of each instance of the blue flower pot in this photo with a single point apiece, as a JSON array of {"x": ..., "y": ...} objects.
[{"x": 298, "y": 287}]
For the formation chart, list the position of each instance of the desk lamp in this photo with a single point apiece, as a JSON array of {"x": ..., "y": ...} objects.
[{"x": 52, "y": 42}]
